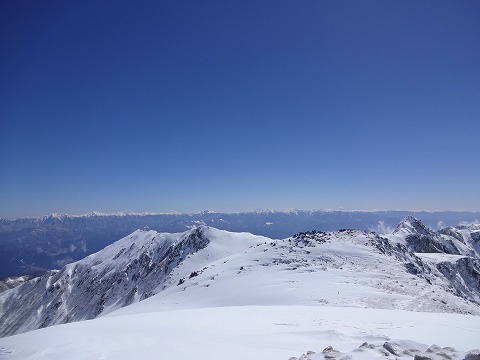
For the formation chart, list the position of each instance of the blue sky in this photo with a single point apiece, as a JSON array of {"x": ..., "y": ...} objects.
[{"x": 238, "y": 105}]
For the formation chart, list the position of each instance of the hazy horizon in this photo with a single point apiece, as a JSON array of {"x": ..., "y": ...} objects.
[{"x": 174, "y": 212}]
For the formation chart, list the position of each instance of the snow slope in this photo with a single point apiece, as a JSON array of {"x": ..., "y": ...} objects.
[{"x": 243, "y": 332}]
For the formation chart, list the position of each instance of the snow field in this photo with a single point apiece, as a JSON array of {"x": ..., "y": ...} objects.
[{"x": 241, "y": 332}]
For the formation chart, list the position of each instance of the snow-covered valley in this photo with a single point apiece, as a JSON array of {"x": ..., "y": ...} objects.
[{"x": 211, "y": 294}]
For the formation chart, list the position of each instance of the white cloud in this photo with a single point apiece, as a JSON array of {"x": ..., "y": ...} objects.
[{"x": 382, "y": 229}]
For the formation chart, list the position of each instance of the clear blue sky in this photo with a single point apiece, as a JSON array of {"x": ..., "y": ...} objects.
[{"x": 238, "y": 105}]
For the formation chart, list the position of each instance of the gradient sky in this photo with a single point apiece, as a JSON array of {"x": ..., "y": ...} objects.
[{"x": 238, "y": 105}]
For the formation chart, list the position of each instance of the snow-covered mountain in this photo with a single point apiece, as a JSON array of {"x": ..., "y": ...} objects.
[
  {"x": 205, "y": 267},
  {"x": 28, "y": 245},
  {"x": 127, "y": 271},
  {"x": 464, "y": 240}
]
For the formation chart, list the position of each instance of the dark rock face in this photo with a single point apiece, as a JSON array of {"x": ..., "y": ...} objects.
[
  {"x": 464, "y": 277},
  {"x": 476, "y": 237},
  {"x": 429, "y": 244},
  {"x": 309, "y": 238},
  {"x": 473, "y": 355},
  {"x": 453, "y": 233},
  {"x": 391, "y": 348},
  {"x": 421, "y": 357}
]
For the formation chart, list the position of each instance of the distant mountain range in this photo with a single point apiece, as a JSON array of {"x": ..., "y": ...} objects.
[
  {"x": 32, "y": 245},
  {"x": 412, "y": 268}
]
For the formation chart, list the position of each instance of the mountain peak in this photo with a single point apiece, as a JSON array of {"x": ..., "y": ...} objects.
[{"x": 412, "y": 225}]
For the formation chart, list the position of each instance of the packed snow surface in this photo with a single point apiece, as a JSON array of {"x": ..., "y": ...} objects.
[{"x": 242, "y": 332}]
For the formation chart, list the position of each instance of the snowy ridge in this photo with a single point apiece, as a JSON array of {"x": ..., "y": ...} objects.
[
  {"x": 344, "y": 268},
  {"x": 206, "y": 267},
  {"x": 418, "y": 238},
  {"x": 125, "y": 272},
  {"x": 254, "y": 297},
  {"x": 30, "y": 245}
]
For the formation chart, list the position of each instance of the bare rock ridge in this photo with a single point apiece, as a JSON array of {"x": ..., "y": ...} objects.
[{"x": 433, "y": 352}]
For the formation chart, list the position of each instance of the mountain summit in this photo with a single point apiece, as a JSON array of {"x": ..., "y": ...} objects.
[
  {"x": 419, "y": 238},
  {"x": 412, "y": 225}
]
